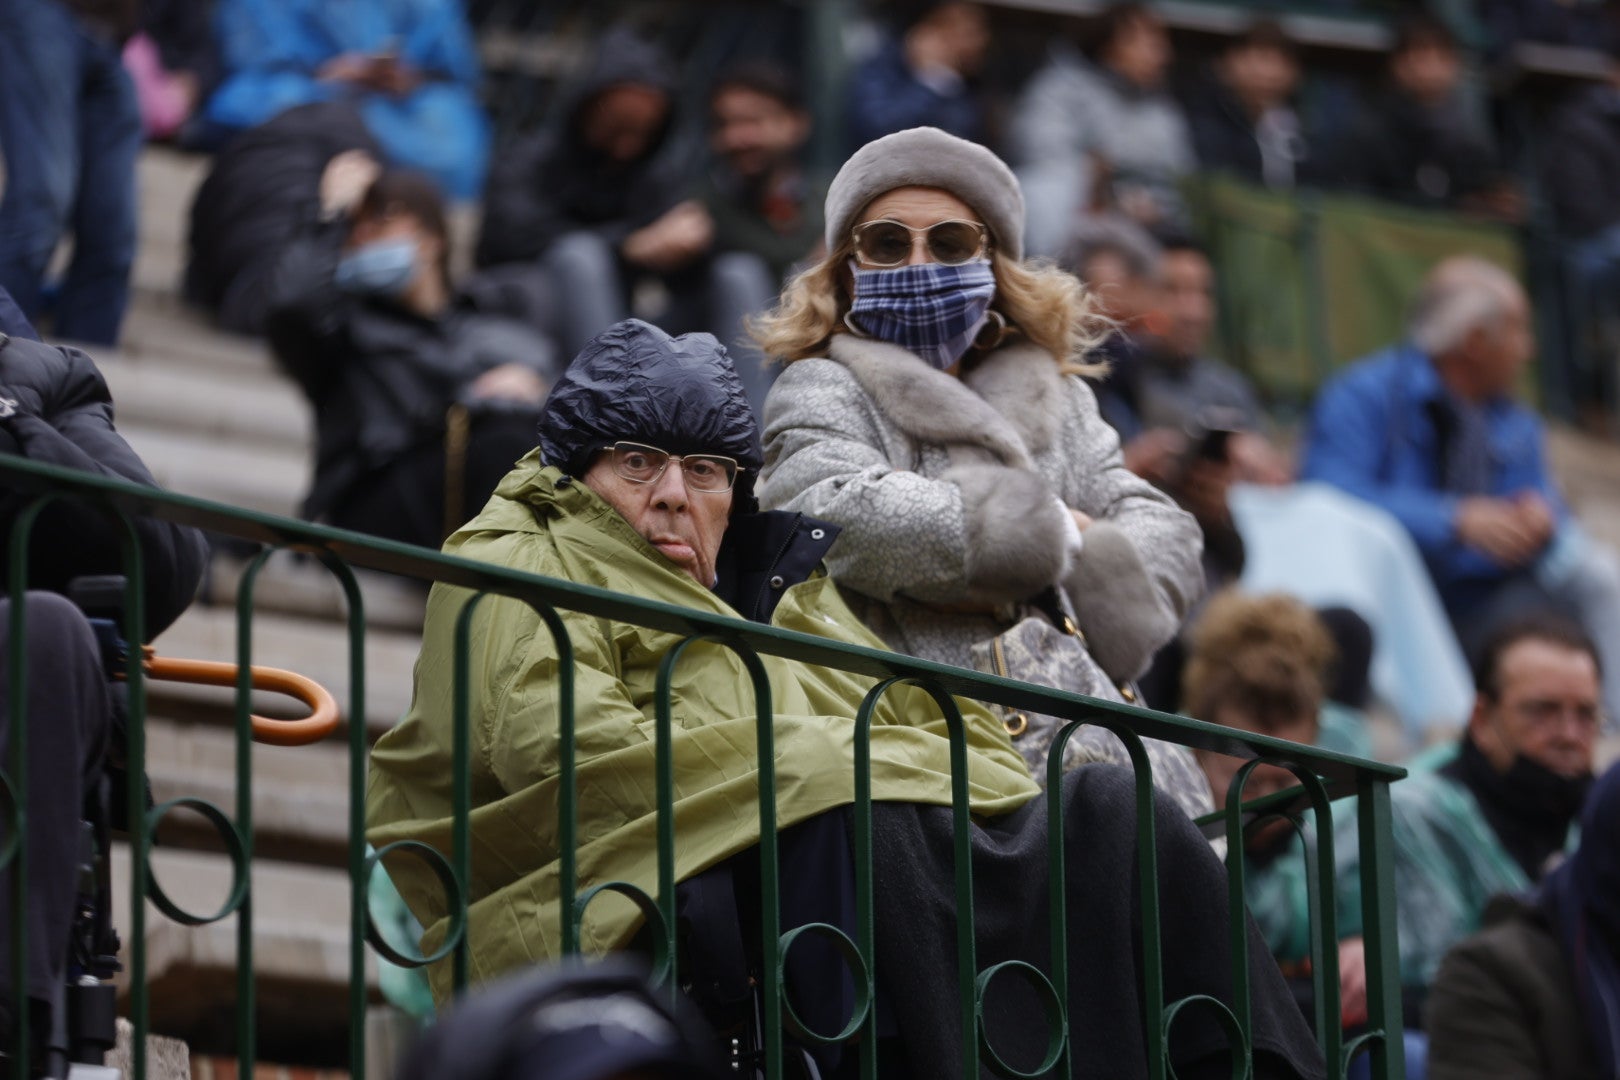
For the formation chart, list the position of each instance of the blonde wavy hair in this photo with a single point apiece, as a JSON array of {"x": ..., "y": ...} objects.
[{"x": 1043, "y": 303}]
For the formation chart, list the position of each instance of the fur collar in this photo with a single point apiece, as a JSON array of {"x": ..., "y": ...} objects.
[{"x": 1009, "y": 404}]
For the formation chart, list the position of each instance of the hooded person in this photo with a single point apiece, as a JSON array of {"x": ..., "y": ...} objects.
[
  {"x": 574, "y": 195},
  {"x": 1537, "y": 992},
  {"x": 640, "y": 486}
]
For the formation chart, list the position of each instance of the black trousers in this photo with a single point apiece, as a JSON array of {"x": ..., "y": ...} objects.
[{"x": 69, "y": 713}]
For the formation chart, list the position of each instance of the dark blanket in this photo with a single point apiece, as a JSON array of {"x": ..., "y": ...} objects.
[{"x": 916, "y": 937}]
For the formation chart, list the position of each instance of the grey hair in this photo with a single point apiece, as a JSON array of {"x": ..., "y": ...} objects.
[{"x": 1460, "y": 295}]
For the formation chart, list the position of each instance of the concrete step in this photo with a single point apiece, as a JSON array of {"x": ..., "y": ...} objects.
[
  {"x": 229, "y": 407},
  {"x": 300, "y": 949},
  {"x": 255, "y": 477},
  {"x": 316, "y": 648},
  {"x": 295, "y": 584},
  {"x": 300, "y": 794}
]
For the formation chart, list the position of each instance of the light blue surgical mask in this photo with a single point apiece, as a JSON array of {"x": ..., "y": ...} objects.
[{"x": 380, "y": 268}]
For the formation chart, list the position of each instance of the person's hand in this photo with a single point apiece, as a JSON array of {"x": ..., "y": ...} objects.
[
  {"x": 509, "y": 382},
  {"x": 1537, "y": 514},
  {"x": 1256, "y": 461},
  {"x": 681, "y": 235},
  {"x": 345, "y": 179},
  {"x": 350, "y": 67},
  {"x": 391, "y": 75},
  {"x": 1154, "y": 454},
  {"x": 928, "y": 48},
  {"x": 1203, "y": 488},
  {"x": 1500, "y": 528},
  {"x": 1352, "y": 982}
]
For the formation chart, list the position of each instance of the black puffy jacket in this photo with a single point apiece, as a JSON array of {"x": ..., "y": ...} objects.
[{"x": 56, "y": 410}]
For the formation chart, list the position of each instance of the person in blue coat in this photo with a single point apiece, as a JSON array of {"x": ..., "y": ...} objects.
[
  {"x": 925, "y": 76},
  {"x": 1429, "y": 430},
  {"x": 409, "y": 65}
]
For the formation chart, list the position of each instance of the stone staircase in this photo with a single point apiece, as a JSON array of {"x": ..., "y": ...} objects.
[{"x": 211, "y": 417}]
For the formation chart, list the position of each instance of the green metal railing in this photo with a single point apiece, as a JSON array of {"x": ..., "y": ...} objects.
[{"x": 1323, "y": 776}]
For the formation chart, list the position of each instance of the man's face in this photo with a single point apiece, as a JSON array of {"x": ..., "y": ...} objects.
[
  {"x": 1260, "y": 76},
  {"x": 1121, "y": 295},
  {"x": 1189, "y": 302},
  {"x": 1219, "y": 769},
  {"x": 621, "y": 122},
  {"x": 1497, "y": 353},
  {"x": 755, "y": 133},
  {"x": 1140, "y": 52},
  {"x": 1428, "y": 73},
  {"x": 1547, "y": 709},
  {"x": 685, "y": 526}
]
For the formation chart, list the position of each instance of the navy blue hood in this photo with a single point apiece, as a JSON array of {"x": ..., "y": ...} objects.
[{"x": 633, "y": 381}]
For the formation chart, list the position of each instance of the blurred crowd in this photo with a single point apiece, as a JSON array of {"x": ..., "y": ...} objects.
[{"x": 1406, "y": 555}]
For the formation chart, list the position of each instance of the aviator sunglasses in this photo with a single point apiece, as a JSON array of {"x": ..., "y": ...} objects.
[{"x": 886, "y": 243}]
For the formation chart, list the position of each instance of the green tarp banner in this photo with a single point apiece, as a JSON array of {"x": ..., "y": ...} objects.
[{"x": 1309, "y": 282}]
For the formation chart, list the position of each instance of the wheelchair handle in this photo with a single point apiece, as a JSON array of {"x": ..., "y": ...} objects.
[{"x": 320, "y": 723}]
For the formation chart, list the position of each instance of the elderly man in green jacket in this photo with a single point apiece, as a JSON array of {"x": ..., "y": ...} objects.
[{"x": 641, "y": 484}]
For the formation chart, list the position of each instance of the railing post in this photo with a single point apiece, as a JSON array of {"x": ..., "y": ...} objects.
[{"x": 1375, "y": 826}]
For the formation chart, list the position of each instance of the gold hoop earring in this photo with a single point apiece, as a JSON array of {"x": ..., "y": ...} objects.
[
  {"x": 999, "y": 334},
  {"x": 853, "y": 327}
]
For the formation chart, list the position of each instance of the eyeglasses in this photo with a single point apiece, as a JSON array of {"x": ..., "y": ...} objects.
[
  {"x": 702, "y": 472},
  {"x": 1542, "y": 712},
  {"x": 886, "y": 243}
]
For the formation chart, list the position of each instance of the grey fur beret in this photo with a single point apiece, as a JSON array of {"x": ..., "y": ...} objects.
[{"x": 929, "y": 157}]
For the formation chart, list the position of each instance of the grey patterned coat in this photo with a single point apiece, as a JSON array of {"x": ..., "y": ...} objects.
[{"x": 945, "y": 491}]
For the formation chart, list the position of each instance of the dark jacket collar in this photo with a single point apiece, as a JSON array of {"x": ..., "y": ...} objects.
[{"x": 765, "y": 554}]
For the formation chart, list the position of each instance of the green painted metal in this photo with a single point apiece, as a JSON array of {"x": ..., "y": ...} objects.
[{"x": 1323, "y": 776}]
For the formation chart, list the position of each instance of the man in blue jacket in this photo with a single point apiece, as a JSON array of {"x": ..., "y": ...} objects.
[{"x": 1429, "y": 430}]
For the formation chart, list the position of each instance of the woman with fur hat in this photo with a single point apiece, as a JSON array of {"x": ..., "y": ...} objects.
[{"x": 933, "y": 406}]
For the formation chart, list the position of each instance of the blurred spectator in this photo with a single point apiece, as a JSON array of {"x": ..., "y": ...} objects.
[
  {"x": 264, "y": 186},
  {"x": 422, "y": 401},
  {"x": 1119, "y": 263},
  {"x": 1429, "y": 430},
  {"x": 1243, "y": 121},
  {"x": 1103, "y": 132},
  {"x": 924, "y": 76},
  {"x": 1580, "y": 173},
  {"x": 599, "y": 200},
  {"x": 409, "y": 66},
  {"x": 1415, "y": 142},
  {"x": 763, "y": 205},
  {"x": 69, "y": 133},
  {"x": 601, "y": 1020},
  {"x": 1537, "y": 992},
  {"x": 1500, "y": 812},
  {"x": 1262, "y": 664},
  {"x": 174, "y": 62}
]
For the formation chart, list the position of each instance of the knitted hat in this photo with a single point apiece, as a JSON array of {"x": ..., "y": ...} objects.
[{"x": 929, "y": 157}]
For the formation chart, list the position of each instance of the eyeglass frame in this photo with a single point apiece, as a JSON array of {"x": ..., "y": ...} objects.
[
  {"x": 737, "y": 468},
  {"x": 985, "y": 244}
]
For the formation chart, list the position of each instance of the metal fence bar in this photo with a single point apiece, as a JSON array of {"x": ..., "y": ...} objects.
[{"x": 1323, "y": 775}]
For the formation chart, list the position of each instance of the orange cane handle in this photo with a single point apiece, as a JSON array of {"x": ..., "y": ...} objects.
[{"x": 321, "y": 722}]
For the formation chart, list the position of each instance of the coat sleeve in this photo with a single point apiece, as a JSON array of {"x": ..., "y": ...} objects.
[
  {"x": 66, "y": 419},
  {"x": 978, "y": 534},
  {"x": 1139, "y": 572},
  {"x": 307, "y": 317},
  {"x": 1476, "y": 1026}
]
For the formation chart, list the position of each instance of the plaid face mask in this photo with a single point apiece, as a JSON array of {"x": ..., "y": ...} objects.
[{"x": 930, "y": 309}]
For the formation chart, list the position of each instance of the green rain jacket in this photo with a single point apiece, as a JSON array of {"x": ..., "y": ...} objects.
[{"x": 565, "y": 531}]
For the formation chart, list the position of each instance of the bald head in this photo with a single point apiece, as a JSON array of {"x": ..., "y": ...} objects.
[{"x": 1472, "y": 319}]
